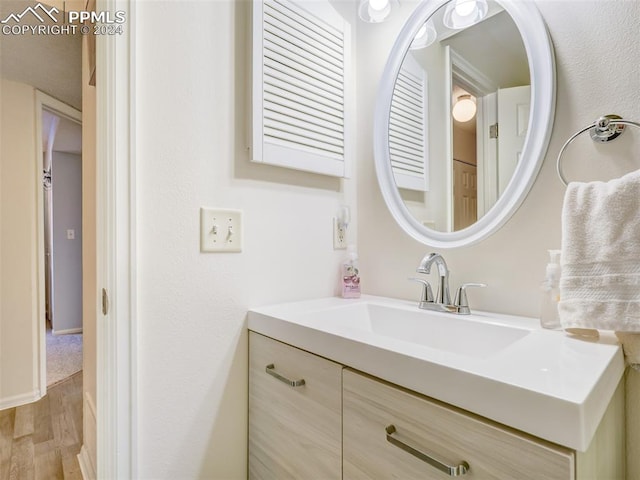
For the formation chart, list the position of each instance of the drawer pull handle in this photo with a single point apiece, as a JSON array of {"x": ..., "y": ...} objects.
[
  {"x": 456, "y": 471},
  {"x": 270, "y": 369}
]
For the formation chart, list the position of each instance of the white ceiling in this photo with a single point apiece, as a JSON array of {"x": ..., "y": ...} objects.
[
  {"x": 50, "y": 63},
  {"x": 495, "y": 47}
]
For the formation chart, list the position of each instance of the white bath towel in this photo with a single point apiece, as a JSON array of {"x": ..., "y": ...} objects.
[{"x": 600, "y": 279}]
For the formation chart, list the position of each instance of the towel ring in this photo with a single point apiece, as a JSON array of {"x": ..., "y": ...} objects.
[{"x": 605, "y": 129}]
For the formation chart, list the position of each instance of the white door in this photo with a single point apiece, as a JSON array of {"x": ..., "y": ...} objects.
[
  {"x": 465, "y": 195},
  {"x": 513, "y": 122}
]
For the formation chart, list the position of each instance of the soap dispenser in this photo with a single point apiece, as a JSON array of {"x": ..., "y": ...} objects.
[
  {"x": 549, "y": 317},
  {"x": 350, "y": 274}
]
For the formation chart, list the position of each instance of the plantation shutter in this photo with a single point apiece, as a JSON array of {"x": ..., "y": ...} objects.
[
  {"x": 408, "y": 128},
  {"x": 300, "y": 86}
]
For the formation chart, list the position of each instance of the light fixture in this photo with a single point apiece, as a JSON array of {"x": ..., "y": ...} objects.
[
  {"x": 375, "y": 11},
  {"x": 464, "y": 13},
  {"x": 425, "y": 36},
  {"x": 464, "y": 109}
]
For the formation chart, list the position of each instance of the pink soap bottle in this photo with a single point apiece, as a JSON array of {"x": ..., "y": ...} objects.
[{"x": 350, "y": 274}]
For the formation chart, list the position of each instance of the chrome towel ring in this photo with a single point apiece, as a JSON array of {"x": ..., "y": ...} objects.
[{"x": 605, "y": 129}]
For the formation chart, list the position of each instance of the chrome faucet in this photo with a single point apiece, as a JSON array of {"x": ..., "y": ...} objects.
[
  {"x": 442, "y": 300},
  {"x": 442, "y": 296}
]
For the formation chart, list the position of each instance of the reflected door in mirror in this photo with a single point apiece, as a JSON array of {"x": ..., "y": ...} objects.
[{"x": 465, "y": 194}]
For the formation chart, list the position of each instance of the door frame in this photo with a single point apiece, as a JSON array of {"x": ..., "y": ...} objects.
[
  {"x": 463, "y": 73},
  {"x": 116, "y": 247},
  {"x": 61, "y": 109}
]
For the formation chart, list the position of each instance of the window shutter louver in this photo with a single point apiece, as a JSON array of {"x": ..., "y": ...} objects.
[
  {"x": 299, "y": 86},
  {"x": 408, "y": 128}
]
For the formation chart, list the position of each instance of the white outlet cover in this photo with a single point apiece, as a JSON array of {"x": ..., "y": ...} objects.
[
  {"x": 339, "y": 236},
  {"x": 220, "y": 230}
]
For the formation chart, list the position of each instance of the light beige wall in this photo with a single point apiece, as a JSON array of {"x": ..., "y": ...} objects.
[
  {"x": 18, "y": 261},
  {"x": 89, "y": 266},
  {"x": 1, "y": 280},
  {"x": 192, "y": 127},
  {"x": 594, "y": 78}
]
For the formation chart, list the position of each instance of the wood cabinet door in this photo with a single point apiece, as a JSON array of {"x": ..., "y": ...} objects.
[
  {"x": 295, "y": 413},
  {"x": 425, "y": 430}
]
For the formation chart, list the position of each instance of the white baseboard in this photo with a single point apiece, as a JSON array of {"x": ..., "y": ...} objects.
[
  {"x": 21, "y": 399},
  {"x": 67, "y": 331},
  {"x": 86, "y": 467}
]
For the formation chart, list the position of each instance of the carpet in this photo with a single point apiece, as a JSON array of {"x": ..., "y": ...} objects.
[{"x": 64, "y": 356}]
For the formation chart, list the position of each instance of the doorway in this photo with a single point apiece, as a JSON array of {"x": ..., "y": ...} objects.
[
  {"x": 109, "y": 366},
  {"x": 62, "y": 228},
  {"x": 465, "y": 162}
]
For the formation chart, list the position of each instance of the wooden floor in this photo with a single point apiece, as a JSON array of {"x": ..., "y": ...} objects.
[{"x": 40, "y": 441}]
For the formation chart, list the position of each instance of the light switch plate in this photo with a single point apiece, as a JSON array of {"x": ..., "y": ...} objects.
[{"x": 220, "y": 230}]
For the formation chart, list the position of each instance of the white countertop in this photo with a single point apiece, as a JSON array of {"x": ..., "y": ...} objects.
[{"x": 544, "y": 382}]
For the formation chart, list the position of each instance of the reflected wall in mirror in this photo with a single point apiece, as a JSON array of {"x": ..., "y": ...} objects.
[
  {"x": 463, "y": 117},
  {"x": 456, "y": 139}
]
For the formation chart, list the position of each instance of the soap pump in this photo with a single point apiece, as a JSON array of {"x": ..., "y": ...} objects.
[
  {"x": 351, "y": 274},
  {"x": 549, "y": 317}
]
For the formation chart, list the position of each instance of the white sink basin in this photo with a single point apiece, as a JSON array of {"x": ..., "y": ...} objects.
[
  {"x": 458, "y": 334},
  {"x": 502, "y": 367}
]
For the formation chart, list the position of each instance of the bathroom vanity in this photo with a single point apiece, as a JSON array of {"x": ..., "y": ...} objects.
[{"x": 334, "y": 393}]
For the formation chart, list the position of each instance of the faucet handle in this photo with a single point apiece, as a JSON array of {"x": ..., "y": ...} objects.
[
  {"x": 427, "y": 293},
  {"x": 461, "y": 297}
]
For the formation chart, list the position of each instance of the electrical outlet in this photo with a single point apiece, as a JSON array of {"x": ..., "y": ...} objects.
[
  {"x": 339, "y": 236},
  {"x": 71, "y": 234},
  {"x": 220, "y": 230}
]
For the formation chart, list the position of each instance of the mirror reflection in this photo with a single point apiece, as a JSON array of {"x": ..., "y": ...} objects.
[{"x": 459, "y": 114}]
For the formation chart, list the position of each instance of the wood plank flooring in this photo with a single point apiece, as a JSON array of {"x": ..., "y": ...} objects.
[{"x": 40, "y": 441}]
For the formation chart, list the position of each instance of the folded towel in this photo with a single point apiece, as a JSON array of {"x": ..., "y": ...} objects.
[{"x": 600, "y": 279}]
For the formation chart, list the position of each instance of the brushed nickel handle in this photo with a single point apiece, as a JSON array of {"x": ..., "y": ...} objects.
[
  {"x": 270, "y": 369},
  {"x": 427, "y": 293},
  {"x": 452, "y": 471},
  {"x": 461, "y": 297}
]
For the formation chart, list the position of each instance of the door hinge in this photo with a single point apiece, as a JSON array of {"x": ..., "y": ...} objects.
[
  {"x": 105, "y": 302},
  {"x": 493, "y": 131}
]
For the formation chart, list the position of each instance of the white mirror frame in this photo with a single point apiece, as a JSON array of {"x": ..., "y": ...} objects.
[{"x": 543, "y": 87}]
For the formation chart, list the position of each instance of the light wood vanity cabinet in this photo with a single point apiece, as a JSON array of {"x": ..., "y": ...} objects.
[
  {"x": 295, "y": 432},
  {"x": 453, "y": 439},
  {"x": 344, "y": 424}
]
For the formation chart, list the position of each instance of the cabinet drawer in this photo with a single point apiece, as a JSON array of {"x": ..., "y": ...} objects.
[
  {"x": 295, "y": 432},
  {"x": 431, "y": 429}
]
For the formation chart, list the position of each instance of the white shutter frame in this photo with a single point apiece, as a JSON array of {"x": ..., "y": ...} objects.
[
  {"x": 301, "y": 86},
  {"x": 408, "y": 128}
]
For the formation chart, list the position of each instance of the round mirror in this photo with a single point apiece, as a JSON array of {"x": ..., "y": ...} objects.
[{"x": 463, "y": 117}]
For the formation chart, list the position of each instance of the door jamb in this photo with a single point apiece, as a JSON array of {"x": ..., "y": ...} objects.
[{"x": 116, "y": 247}]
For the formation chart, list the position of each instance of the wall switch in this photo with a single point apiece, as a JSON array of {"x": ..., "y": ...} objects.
[
  {"x": 220, "y": 230},
  {"x": 71, "y": 234},
  {"x": 339, "y": 235}
]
